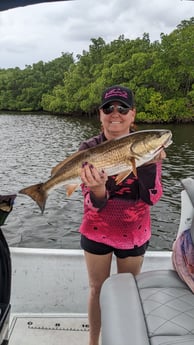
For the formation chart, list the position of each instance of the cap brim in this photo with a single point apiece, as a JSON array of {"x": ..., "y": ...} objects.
[{"x": 115, "y": 100}]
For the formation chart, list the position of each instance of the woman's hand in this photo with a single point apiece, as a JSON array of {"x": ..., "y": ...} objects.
[
  {"x": 94, "y": 179},
  {"x": 162, "y": 155},
  {"x": 159, "y": 157}
]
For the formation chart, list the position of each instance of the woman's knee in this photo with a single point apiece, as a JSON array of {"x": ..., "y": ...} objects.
[{"x": 95, "y": 289}]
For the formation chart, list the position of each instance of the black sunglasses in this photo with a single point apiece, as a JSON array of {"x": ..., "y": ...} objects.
[{"x": 110, "y": 109}]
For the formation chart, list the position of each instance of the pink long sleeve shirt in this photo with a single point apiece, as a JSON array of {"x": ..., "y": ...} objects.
[{"x": 122, "y": 220}]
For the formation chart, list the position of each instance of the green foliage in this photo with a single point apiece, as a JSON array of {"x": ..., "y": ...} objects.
[
  {"x": 23, "y": 89},
  {"x": 161, "y": 74}
]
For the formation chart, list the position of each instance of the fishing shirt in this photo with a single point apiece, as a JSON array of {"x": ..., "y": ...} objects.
[{"x": 122, "y": 219}]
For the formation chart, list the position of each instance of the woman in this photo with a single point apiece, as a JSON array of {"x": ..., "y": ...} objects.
[{"x": 116, "y": 217}]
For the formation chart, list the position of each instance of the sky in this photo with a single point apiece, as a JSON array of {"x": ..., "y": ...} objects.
[{"x": 43, "y": 32}]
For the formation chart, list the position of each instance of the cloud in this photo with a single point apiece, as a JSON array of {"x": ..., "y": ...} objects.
[{"x": 42, "y": 32}]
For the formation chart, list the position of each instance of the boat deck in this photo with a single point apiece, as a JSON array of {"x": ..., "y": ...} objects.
[
  {"x": 53, "y": 312},
  {"x": 39, "y": 329}
]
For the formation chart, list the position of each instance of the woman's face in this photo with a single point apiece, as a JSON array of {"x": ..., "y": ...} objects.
[{"x": 116, "y": 123}]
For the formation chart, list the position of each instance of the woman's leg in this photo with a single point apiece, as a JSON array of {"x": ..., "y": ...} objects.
[
  {"x": 131, "y": 264},
  {"x": 98, "y": 267}
]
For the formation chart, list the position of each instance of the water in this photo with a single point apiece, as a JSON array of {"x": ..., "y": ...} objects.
[{"x": 30, "y": 145}]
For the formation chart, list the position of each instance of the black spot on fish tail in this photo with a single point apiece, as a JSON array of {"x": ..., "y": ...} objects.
[{"x": 37, "y": 193}]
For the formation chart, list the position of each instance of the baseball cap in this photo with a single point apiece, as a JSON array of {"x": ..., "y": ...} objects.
[{"x": 118, "y": 93}]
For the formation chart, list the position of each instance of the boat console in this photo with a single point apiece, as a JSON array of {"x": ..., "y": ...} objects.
[
  {"x": 153, "y": 308},
  {"x": 6, "y": 203}
]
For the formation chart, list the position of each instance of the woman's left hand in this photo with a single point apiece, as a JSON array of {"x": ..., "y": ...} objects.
[{"x": 159, "y": 157}]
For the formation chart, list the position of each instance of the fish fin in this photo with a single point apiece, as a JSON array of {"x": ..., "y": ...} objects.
[
  {"x": 120, "y": 177},
  {"x": 70, "y": 189},
  {"x": 134, "y": 169},
  {"x": 37, "y": 193}
]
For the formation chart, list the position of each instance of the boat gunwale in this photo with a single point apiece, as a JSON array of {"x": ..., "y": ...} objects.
[{"x": 73, "y": 252}]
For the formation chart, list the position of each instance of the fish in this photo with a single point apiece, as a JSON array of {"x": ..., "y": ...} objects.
[{"x": 119, "y": 156}]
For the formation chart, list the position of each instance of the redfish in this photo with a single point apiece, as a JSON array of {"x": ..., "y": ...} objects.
[{"x": 119, "y": 156}]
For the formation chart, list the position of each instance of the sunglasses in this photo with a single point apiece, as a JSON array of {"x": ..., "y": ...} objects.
[{"x": 110, "y": 109}]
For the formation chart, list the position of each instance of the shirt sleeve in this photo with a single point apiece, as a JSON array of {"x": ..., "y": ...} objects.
[
  {"x": 150, "y": 184},
  {"x": 90, "y": 201}
]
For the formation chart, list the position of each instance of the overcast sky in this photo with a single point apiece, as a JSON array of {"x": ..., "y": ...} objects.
[{"x": 44, "y": 31}]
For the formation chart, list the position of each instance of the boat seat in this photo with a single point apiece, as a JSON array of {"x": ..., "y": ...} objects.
[{"x": 153, "y": 308}]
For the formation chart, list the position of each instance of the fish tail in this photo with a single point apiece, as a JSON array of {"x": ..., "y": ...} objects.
[{"x": 37, "y": 193}]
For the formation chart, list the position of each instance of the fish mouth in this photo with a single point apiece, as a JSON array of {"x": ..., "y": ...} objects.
[{"x": 167, "y": 143}]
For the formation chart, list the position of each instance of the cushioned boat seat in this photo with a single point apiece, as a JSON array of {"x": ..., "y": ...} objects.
[{"x": 155, "y": 308}]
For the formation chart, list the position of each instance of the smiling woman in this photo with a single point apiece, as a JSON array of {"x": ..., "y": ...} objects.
[{"x": 7, "y": 4}]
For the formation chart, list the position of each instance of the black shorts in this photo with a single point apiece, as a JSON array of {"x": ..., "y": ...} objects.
[{"x": 102, "y": 249}]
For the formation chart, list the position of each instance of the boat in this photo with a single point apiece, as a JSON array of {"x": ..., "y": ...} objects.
[
  {"x": 43, "y": 292},
  {"x": 47, "y": 301},
  {"x": 9, "y": 4}
]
